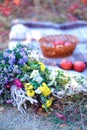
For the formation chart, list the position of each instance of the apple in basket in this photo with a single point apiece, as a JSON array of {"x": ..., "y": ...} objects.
[
  {"x": 61, "y": 42},
  {"x": 79, "y": 66},
  {"x": 67, "y": 43},
  {"x": 66, "y": 64},
  {"x": 58, "y": 42}
]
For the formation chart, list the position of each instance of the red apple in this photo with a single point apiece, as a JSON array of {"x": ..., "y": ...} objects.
[
  {"x": 79, "y": 66},
  {"x": 66, "y": 64},
  {"x": 67, "y": 43},
  {"x": 58, "y": 42}
]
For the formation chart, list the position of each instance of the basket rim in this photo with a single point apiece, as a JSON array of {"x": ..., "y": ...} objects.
[{"x": 57, "y": 35}]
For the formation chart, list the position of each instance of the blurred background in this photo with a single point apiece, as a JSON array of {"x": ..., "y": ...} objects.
[{"x": 57, "y": 11}]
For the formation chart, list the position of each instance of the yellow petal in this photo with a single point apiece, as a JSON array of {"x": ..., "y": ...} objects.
[
  {"x": 30, "y": 93},
  {"x": 48, "y": 103}
]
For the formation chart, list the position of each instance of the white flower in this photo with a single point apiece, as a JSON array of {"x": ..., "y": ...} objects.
[
  {"x": 34, "y": 73},
  {"x": 52, "y": 77},
  {"x": 73, "y": 85},
  {"x": 36, "y": 76},
  {"x": 37, "y": 91},
  {"x": 53, "y": 74}
]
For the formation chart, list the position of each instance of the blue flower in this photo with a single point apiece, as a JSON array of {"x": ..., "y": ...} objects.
[
  {"x": 21, "y": 61},
  {"x": 6, "y": 54},
  {"x": 11, "y": 62},
  {"x": 25, "y": 58},
  {"x": 5, "y": 80},
  {"x": 5, "y": 70},
  {"x": 12, "y": 56},
  {"x": 16, "y": 69}
]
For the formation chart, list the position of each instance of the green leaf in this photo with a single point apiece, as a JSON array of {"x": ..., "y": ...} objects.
[{"x": 35, "y": 84}]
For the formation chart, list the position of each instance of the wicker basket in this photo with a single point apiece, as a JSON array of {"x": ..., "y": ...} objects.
[{"x": 51, "y": 51}]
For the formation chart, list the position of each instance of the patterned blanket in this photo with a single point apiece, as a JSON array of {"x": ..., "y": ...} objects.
[{"x": 27, "y": 31}]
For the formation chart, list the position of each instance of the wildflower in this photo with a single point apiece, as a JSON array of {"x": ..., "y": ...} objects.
[
  {"x": 48, "y": 103},
  {"x": 30, "y": 93},
  {"x": 16, "y": 69},
  {"x": 25, "y": 58},
  {"x": 18, "y": 83},
  {"x": 9, "y": 101},
  {"x": 37, "y": 91},
  {"x": 5, "y": 54},
  {"x": 42, "y": 66},
  {"x": 45, "y": 90},
  {"x": 28, "y": 86},
  {"x": 21, "y": 61},
  {"x": 36, "y": 76}
]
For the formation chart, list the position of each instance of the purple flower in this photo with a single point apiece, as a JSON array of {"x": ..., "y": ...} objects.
[
  {"x": 25, "y": 58},
  {"x": 1, "y": 91},
  {"x": 9, "y": 101},
  {"x": 6, "y": 54},
  {"x": 21, "y": 61},
  {"x": 11, "y": 79},
  {"x": 1, "y": 75},
  {"x": 22, "y": 53},
  {"x": 5, "y": 80},
  {"x": 10, "y": 74},
  {"x": 16, "y": 70},
  {"x": 12, "y": 56},
  {"x": 22, "y": 50},
  {"x": 11, "y": 62}
]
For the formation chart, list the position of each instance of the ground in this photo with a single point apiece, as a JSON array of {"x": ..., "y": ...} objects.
[{"x": 12, "y": 119}]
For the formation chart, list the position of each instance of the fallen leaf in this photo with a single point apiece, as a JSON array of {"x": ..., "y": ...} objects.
[
  {"x": 17, "y": 2},
  {"x": 57, "y": 114},
  {"x": 1, "y": 109},
  {"x": 79, "y": 128},
  {"x": 62, "y": 125}
]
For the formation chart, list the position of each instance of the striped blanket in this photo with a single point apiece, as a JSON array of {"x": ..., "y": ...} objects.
[{"x": 27, "y": 31}]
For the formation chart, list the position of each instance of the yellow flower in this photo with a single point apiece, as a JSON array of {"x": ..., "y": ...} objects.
[
  {"x": 42, "y": 66},
  {"x": 43, "y": 106},
  {"x": 30, "y": 93},
  {"x": 45, "y": 90},
  {"x": 48, "y": 103},
  {"x": 28, "y": 86}
]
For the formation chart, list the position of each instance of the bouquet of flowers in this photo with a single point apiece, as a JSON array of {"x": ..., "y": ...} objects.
[
  {"x": 24, "y": 79},
  {"x": 11, "y": 62}
]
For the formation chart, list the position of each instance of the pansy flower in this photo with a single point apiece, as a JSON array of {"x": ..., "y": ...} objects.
[{"x": 45, "y": 90}]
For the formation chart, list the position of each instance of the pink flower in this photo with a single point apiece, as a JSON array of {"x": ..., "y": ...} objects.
[
  {"x": 18, "y": 83},
  {"x": 9, "y": 101},
  {"x": 7, "y": 86}
]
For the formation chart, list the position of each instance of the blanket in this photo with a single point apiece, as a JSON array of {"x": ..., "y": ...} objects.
[{"x": 30, "y": 32}]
